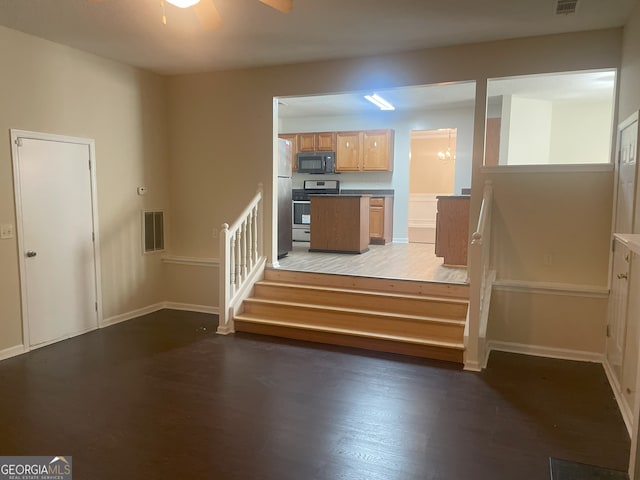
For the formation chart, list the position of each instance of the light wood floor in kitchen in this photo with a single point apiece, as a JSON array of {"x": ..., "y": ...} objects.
[{"x": 413, "y": 261}]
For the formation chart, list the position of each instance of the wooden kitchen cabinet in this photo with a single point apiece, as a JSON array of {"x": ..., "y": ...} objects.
[
  {"x": 377, "y": 150},
  {"x": 349, "y": 152},
  {"x": 317, "y": 142},
  {"x": 380, "y": 220},
  {"x": 339, "y": 223},
  {"x": 452, "y": 229},
  {"x": 364, "y": 151},
  {"x": 293, "y": 138}
]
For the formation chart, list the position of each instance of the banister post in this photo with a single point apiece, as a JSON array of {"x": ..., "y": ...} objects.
[{"x": 225, "y": 280}]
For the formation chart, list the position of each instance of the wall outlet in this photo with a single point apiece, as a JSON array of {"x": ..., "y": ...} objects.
[{"x": 6, "y": 231}]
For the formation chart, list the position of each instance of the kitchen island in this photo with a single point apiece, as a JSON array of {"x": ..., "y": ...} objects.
[{"x": 339, "y": 223}]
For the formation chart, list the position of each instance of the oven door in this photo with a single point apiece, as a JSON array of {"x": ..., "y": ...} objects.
[{"x": 301, "y": 213}]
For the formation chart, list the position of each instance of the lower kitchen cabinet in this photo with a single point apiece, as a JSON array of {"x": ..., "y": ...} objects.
[{"x": 381, "y": 220}]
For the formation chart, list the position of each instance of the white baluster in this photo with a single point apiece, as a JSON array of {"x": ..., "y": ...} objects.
[{"x": 239, "y": 276}]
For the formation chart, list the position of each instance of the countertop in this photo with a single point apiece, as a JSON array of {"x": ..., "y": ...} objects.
[{"x": 454, "y": 197}]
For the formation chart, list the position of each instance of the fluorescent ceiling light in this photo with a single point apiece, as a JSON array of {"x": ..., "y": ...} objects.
[
  {"x": 379, "y": 102},
  {"x": 183, "y": 3}
]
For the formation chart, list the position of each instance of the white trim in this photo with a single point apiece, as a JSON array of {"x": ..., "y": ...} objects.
[
  {"x": 123, "y": 317},
  {"x": 542, "y": 351},
  {"x": 90, "y": 143},
  {"x": 551, "y": 168},
  {"x": 12, "y": 352},
  {"x": 400, "y": 240},
  {"x": 187, "y": 307},
  {"x": 551, "y": 288},
  {"x": 629, "y": 240},
  {"x": 193, "y": 261},
  {"x": 625, "y": 411}
]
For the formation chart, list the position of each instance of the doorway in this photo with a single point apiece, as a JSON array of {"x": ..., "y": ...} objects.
[
  {"x": 55, "y": 190},
  {"x": 431, "y": 173}
]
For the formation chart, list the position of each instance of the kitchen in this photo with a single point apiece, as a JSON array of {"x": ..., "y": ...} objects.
[{"x": 358, "y": 156}]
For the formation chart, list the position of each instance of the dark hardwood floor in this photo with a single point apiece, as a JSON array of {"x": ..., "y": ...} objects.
[{"x": 164, "y": 397}]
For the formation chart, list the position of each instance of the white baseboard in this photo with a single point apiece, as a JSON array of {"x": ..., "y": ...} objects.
[
  {"x": 12, "y": 352},
  {"x": 542, "y": 351},
  {"x": 123, "y": 317},
  {"x": 187, "y": 307},
  {"x": 625, "y": 411}
]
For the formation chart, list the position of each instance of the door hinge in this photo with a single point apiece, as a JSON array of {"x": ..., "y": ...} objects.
[
  {"x": 608, "y": 331},
  {"x": 96, "y": 304},
  {"x": 93, "y": 236},
  {"x": 613, "y": 244},
  {"x": 19, "y": 141},
  {"x": 89, "y": 164}
]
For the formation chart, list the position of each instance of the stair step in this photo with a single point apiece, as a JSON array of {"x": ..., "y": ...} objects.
[
  {"x": 439, "y": 350},
  {"x": 453, "y": 290},
  {"x": 416, "y": 326},
  {"x": 410, "y": 304}
]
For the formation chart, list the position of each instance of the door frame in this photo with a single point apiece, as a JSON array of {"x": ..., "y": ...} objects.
[{"x": 15, "y": 136}]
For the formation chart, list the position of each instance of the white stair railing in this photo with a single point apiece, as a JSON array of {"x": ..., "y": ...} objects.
[
  {"x": 481, "y": 279},
  {"x": 241, "y": 260}
]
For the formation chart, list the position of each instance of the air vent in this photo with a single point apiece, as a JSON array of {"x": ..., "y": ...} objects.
[{"x": 565, "y": 7}]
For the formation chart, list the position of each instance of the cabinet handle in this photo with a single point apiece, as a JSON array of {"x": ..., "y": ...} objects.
[
  {"x": 622, "y": 276},
  {"x": 626, "y": 258}
]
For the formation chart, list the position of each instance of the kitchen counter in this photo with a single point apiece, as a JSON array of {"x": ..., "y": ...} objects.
[{"x": 340, "y": 223}]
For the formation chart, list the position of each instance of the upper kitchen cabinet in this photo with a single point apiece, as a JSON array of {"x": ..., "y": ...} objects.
[
  {"x": 349, "y": 152},
  {"x": 317, "y": 142},
  {"x": 365, "y": 151},
  {"x": 377, "y": 150},
  {"x": 293, "y": 138}
]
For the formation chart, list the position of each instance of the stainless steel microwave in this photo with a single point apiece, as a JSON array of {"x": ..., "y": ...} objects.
[{"x": 316, "y": 162}]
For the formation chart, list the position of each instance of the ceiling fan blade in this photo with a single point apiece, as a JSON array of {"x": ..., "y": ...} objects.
[
  {"x": 284, "y": 6},
  {"x": 208, "y": 14}
]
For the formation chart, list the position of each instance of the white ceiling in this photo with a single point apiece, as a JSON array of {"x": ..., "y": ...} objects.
[{"x": 253, "y": 34}]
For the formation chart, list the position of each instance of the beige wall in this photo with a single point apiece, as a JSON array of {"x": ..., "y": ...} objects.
[
  {"x": 55, "y": 89},
  {"x": 221, "y": 127},
  {"x": 427, "y": 172},
  {"x": 630, "y": 71}
]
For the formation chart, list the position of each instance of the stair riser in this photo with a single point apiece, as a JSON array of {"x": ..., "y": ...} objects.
[
  {"x": 434, "y": 289},
  {"x": 388, "y": 325},
  {"x": 438, "y": 353},
  {"x": 406, "y": 306}
]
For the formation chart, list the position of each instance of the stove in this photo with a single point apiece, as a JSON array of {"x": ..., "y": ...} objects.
[{"x": 301, "y": 210}]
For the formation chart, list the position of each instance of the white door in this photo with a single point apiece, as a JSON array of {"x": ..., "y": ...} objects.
[{"x": 56, "y": 244}]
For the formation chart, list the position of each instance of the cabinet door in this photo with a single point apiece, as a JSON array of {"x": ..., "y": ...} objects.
[
  {"x": 293, "y": 138},
  {"x": 306, "y": 142},
  {"x": 376, "y": 223},
  {"x": 348, "y": 152},
  {"x": 377, "y": 150},
  {"x": 630, "y": 359},
  {"x": 617, "y": 315},
  {"x": 326, "y": 141}
]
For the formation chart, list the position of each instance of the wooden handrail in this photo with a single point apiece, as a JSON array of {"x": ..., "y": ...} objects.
[{"x": 485, "y": 212}]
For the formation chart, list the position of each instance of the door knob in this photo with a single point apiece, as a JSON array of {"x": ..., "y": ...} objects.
[
  {"x": 31, "y": 253},
  {"x": 622, "y": 276}
]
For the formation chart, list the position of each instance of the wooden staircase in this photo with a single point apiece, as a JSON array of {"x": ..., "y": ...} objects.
[{"x": 424, "y": 319}]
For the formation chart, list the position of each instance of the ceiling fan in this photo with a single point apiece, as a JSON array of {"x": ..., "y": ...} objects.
[{"x": 208, "y": 13}]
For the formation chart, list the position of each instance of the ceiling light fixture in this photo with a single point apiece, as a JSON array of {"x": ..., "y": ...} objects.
[
  {"x": 379, "y": 102},
  {"x": 183, "y": 3},
  {"x": 446, "y": 155}
]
